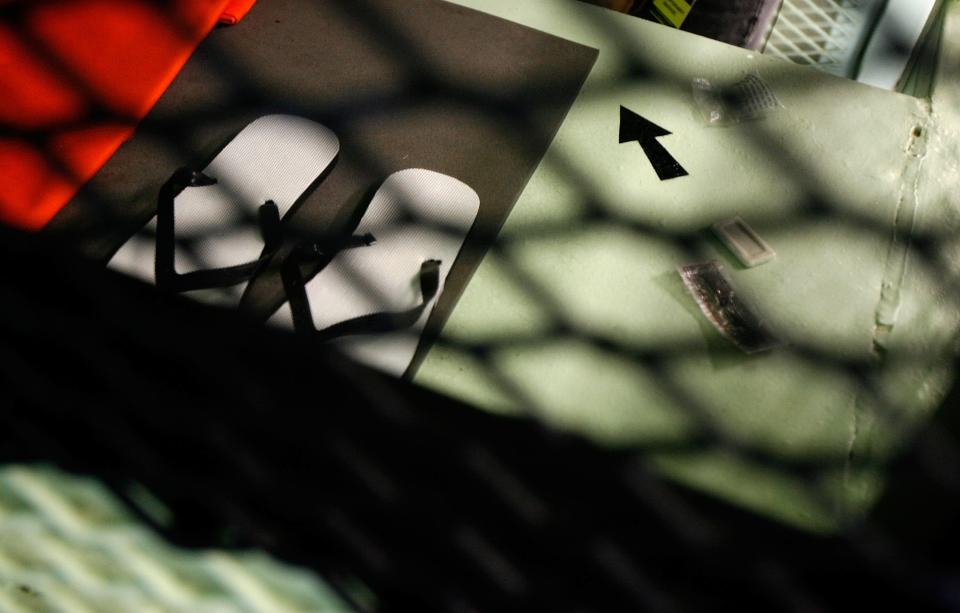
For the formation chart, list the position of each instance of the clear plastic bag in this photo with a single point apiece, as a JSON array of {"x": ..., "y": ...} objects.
[{"x": 746, "y": 100}]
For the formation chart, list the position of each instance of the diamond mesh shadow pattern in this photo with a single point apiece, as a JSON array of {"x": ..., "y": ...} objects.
[{"x": 247, "y": 439}]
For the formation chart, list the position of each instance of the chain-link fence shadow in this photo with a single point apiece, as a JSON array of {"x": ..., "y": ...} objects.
[{"x": 246, "y": 437}]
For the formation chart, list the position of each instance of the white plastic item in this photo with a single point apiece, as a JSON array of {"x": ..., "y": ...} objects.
[
  {"x": 275, "y": 157},
  {"x": 415, "y": 216},
  {"x": 744, "y": 242}
]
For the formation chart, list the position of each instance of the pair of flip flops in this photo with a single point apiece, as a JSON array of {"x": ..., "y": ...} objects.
[{"x": 215, "y": 230}]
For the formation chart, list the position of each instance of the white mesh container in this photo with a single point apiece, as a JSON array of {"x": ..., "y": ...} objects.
[
  {"x": 868, "y": 40},
  {"x": 825, "y": 34}
]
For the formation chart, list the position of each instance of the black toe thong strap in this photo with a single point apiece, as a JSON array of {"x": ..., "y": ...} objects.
[
  {"x": 374, "y": 323},
  {"x": 270, "y": 229},
  {"x": 167, "y": 278}
]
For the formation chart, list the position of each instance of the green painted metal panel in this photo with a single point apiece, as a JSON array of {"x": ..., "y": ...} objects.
[{"x": 578, "y": 315}]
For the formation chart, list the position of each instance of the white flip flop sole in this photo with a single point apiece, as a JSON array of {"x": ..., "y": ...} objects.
[
  {"x": 415, "y": 216},
  {"x": 275, "y": 157}
]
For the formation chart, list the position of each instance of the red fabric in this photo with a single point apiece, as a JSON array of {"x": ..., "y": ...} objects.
[{"x": 75, "y": 78}]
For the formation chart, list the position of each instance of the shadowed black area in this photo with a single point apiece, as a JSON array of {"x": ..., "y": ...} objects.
[{"x": 258, "y": 438}]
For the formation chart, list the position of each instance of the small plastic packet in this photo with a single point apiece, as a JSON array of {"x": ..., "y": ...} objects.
[
  {"x": 725, "y": 309},
  {"x": 744, "y": 242},
  {"x": 746, "y": 100}
]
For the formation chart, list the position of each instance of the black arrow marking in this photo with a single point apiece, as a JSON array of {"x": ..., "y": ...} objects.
[{"x": 633, "y": 127}]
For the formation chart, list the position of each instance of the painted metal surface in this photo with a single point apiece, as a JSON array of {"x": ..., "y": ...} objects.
[{"x": 577, "y": 315}]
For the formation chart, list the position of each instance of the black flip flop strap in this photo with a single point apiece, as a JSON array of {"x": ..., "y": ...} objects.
[
  {"x": 276, "y": 236},
  {"x": 167, "y": 278},
  {"x": 295, "y": 288},
  {"x": 268, "y": 216},
  {"x": 271, "y": 231},
  {"x": 374, "y": 323}
]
